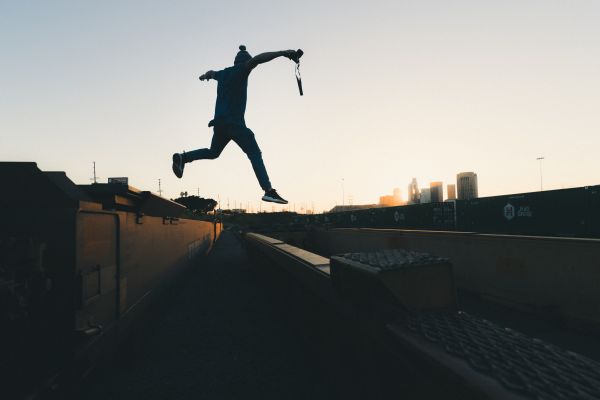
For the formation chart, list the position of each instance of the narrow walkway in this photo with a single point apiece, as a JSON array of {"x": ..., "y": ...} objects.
[{"x": 221, "y": 337}]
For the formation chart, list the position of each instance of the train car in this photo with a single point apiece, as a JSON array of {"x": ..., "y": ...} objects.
[
  {"x": 433, "y": 216},
  {"x": 78, "y": 266},
  {"x": 565, "y": 212}
]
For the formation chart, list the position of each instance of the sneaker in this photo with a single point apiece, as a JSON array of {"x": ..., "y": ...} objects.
[
  {"x": 178, "y": 165},
  {"x": 273, "y": 197}
]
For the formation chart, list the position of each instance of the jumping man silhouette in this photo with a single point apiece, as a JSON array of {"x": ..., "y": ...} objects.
[{"x": 229, "y": 124}]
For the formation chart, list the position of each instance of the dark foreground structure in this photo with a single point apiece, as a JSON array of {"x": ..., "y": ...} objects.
[
  {"x": 79, "y": 265},
  {"x": 401, "y": 326},
  {"x": 104, "y": 298},
  {"x": 266, "y": 319}
]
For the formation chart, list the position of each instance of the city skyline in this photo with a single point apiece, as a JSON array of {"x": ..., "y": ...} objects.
[{"x": 452, "y": 87}]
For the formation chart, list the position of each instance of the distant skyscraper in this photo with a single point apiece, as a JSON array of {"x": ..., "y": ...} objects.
[
  {"x": 425, "y": 195},
  {"x": 437, "y": 192},
  {"x": 414, "y": 195},
  {"x": 451, "y": 189},
  {"x": 467, "y": 185},
  {"x": 397, "y": 195}
]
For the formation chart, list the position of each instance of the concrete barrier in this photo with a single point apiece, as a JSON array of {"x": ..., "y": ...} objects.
[
  {"x": 558, "y": 276},
  {"x": 453, "y": 354}
]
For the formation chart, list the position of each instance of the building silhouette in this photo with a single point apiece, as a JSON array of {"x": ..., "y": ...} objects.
[
  {"x": 391, "y": 201},
  {"x": 352, "y": 207},
  {"x": 413, "y": 194},
  {"x": 467, "y": 185},
  {"x": 425, "y": 195},
  {"x": 451, "y": 191},
  {"x": 436, "y": 190}
]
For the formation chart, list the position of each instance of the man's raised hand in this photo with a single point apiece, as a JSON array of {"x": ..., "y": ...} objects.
[
  {"x": 289, "y": 54},
  {"x": 293, "y": 55},
  {"x": 208, "y": 75}
]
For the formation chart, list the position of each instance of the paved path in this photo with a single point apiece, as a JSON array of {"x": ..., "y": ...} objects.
[{"x": 222, "y": 336}]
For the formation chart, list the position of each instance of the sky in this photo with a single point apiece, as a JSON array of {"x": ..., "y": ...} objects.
[{"x": 392, "y": 90}]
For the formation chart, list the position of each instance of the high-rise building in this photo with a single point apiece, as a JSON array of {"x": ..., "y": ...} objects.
[
  {"x": 451, "y": 190},
  {"x": 425, "y": 195},
  {"x": 414, "y": 195},
  {"x": 466, "y": 183},
  {"x": 437, "y": 192}
]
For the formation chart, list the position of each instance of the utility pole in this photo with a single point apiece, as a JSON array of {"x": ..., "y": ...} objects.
[
  {"x": 541, "y": 177},
  {"x": 95, "y": 178},
  {"x": 159, "y": 188}
]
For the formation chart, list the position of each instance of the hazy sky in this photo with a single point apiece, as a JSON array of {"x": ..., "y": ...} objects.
[{"x": 393, "y": 90}]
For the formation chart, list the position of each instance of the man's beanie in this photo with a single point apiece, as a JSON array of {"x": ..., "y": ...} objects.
[{"x": 242, "y": 56}]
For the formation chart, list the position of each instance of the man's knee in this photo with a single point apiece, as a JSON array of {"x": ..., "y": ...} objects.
[
  {"x": 253, "y": 153},
  {"x": 252, "y": 150},
  {"x": 212, "y": 154}
]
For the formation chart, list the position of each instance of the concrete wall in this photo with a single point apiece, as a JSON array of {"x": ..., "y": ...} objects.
[{"x": 559, "y": 276}]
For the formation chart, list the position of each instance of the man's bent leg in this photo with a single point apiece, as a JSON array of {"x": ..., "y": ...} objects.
[
  {"x": 244, "y": 138},
  {"x": 219, "y": 141}
]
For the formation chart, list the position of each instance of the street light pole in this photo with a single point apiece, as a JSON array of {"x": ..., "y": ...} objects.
[{"x": 541, "y": 178}]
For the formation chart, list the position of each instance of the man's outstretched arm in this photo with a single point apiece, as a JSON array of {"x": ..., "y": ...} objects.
[
  {"x": 266, "y": 57},
  {"x": 208, "y": 75}
]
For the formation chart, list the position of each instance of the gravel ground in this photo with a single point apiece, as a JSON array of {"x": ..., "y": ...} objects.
[{"x": 222, "y": 336}]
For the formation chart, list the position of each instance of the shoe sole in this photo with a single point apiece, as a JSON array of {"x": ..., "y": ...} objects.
[
  {"x": 177, "y": 170},
  {"x": 272, "y": 200}
]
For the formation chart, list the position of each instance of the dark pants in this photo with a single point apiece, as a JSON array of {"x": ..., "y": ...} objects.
[{"x": 244, "y": 138}]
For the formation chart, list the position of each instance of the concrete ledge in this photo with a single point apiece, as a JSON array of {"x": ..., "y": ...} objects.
[
  {"x": 452, "y": 349},
  {"x": 415, "y": 281},
  {"x": 553, "y": 276},
  {"x": 311, "y": 269}
]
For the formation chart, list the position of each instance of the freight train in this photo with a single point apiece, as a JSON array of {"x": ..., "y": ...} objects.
[
  {"x": 79, "y": 265},
  {"x": 566, "y": 212}
]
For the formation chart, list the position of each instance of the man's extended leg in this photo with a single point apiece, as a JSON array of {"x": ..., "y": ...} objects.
[
  {"x": 244, "y": 138},
  {"x": 219, "y": 141}
]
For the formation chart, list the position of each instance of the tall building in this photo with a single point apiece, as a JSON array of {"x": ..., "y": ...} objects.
[
  {"x": 467, "y": 185},
  {"x": 437, "y": 192},
  {"x": 414, "y": 195},
  {"x": 425, "y": 195},
  {"x": 451, "y": 190}
]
